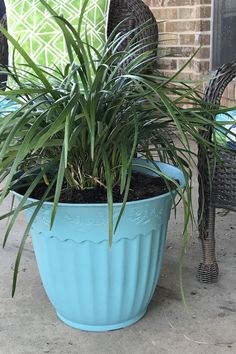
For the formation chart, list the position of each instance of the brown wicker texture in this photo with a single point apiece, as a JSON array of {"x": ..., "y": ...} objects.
[
  {"x": 221, "y": 192},
  {"x": 134, "y": 12},
  {"x": 3, "y": 41}
]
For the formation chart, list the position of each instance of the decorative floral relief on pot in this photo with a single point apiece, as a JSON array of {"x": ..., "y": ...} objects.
[{"x": 140, "y": 215}]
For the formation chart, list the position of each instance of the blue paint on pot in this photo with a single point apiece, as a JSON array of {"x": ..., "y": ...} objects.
[{"x": 92, "y": 286}]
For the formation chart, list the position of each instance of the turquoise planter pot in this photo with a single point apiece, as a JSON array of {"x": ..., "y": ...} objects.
[{"x": 92, "y": 286}]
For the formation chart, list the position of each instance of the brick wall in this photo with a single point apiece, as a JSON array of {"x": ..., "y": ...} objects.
[{"x": 185, "y": 26}]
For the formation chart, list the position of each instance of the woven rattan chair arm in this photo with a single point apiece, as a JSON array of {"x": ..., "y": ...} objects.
[
  {"x": 3, "y": 41},
  {"x": 223, "y": 76},
  {"x": 216, "y": 87}
]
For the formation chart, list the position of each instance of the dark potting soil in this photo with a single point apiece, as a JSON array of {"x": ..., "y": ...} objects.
[{"x": 141, "y": 187}]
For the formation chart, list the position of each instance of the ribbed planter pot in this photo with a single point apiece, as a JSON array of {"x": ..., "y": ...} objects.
[{"x": 92, "y": 286}]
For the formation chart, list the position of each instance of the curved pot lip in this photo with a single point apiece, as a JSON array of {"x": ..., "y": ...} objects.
[{"x": 102, "y": 205}]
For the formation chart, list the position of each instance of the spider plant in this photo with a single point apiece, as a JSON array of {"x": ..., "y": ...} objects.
[{"x": 81, "y": 127}]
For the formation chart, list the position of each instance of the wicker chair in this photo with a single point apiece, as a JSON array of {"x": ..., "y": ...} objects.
[
  {"x": 136, "y": 13},
  {"x": 3, "y": 41},
  {"x": 221, "y": 193}
]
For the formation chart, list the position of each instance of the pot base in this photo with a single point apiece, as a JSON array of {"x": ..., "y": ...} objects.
[{"x": 103, "y": 328}]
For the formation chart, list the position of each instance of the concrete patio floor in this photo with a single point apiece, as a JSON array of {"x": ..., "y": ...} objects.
[{"x": 29, "y": 325}]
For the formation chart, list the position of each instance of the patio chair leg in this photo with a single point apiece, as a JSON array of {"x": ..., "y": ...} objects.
[{"x": 208, "y": 270}]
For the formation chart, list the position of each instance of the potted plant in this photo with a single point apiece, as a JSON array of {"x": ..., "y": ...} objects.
[{"x": 98, "y": 215}]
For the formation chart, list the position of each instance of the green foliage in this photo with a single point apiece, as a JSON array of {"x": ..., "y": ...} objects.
[{"x": 89, "y": 121}]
